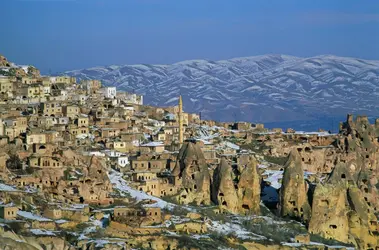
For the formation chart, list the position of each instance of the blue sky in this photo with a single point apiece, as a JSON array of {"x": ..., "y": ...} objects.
[{"x": 61, "y": 35}]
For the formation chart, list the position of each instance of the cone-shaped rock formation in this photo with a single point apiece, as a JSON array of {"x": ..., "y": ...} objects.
[
  {"x": 293, "y": 193},
  {"x": 191, "y": 172}
]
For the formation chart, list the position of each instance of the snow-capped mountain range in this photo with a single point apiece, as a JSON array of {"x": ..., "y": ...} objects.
[{"x": 266, "y": 88}]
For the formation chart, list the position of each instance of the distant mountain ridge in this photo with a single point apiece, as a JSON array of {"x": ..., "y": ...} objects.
[{"x": 268, "y": 88}]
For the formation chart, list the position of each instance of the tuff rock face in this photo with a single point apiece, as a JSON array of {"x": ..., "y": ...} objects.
[
  {"x": 249, "y": 188},
  {"x": 329, "y": 212},
  {"x": 224, "y": 192},
  {"x": 343, "y": 208},
  {"x": 293, "y": 193},
  {"x": 361, "y": 145},
  {"x": 4, "y": 62},
  {"x": 242, "y": 196},
  {"x": 191, "y": 171},
  {"x": 362, "y": 222}
]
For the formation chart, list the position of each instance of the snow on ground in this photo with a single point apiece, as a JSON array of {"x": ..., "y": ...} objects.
[
  {"x": 7, "y": 188},
  {"x": 233, "y": 228},
  {"x": 226, "y": 144},
  {"x": 103, "y": 242},
  {"x": 91, "y": 229},
  {"x": 199, "y": 236},
  {"x": 274, "y": 177},
  {"x": 30, "y": 189},
  {"x": 61, "y": 221},
  {"x": 298, "y": 245},
  {"x": 330, "y": 247},
  {"x": 30, "y": 216},
  {"x": 42, "y": 232},
  {"x": 120, "y": 184},
  {"x": 262, "y": 166},
  {"x": 175, "y": 220}
]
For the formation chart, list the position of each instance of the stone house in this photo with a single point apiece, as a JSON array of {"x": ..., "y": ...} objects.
[
  {"x": 160, "y": 136},
  {"x": 51, "y": 108},
  {"x": 63, "y": 79},
  {"x": 31, "y": 91},
  {"x": 44, "y": 149},
  {"x": 14, "y": 126},
  {"x": 27, "y": 180},
  {"x": 109, "y": 92},
  {"x": 120, "y": 146},
  {"x": 52, "y": 213},
  {"x": 157, "y": 147},
  {"x": 37, "y": 221},
  {"x": 191, "y": 227},
  {"x": 6, "y": 85},
  {"x": 46, "y": 121},
  {"x": 36, "y": 138},
  {"x": 137, "y": 217},
  {"x": 193, "y": 118},
  {"x": 139, "y": 165},
  {"x": 82, "y": 99},
  {"x": 130, "y": 137},
  {"x": 82, "y": 121},
  {"x": 157, "y": 165},
  {"x": 8, "y": 212},
  {"x": 91, "y": 86},
  {"x": 71, "y": 111},
  {"x": 28, "y": 80},
  {"x": 150, "y": 184},
  {"x": 110, "y": 132},
  {"x": 74, "y": 130},
  {"x": 241, "y": 126},
  {"x": 45, "y": 162}
]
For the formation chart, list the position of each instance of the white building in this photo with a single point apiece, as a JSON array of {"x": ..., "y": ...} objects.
[
  {"x": 109, "y": 92},
  {"x": 133, "y": 99},
  {"x": 46, "y": 90},
  {"x": 123, "y": 161}
]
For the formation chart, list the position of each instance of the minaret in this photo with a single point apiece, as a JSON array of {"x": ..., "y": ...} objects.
[{"x": 180, "y": 120}]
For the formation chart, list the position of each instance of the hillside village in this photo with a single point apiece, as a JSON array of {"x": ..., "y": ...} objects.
[{"x": 85, "y": 166}]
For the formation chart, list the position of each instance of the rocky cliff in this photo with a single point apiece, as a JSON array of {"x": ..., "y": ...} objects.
[
  {"x": 191, "y": 171},
  {"x": 293, "y": 193}
]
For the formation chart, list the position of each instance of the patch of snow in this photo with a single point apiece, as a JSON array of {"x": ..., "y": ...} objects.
[
  {"x": 153, "y": 144},
  {"x": 7, "y": 188},
  {"x": 120, "y": 184},
  {"x": 30, "y": 216},
  {"x": 273, "y": 177},
  {"x": 262, "y": 166},
  {"x": 233, "y": 228},
  {"x": 61, "y": 221},
  {"x": 42, "y": 232}
]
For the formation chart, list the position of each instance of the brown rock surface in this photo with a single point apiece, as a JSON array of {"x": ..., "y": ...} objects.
[
  {"x": 329, "y": 212},
  {"x": 362, "y": 222},
  {"x": 224, "y": 193},
  {"x": 249, "y": 188},
  {"x": 293, "y": 193},
  {"x": 4, "y": 62},
  {"x": 191, "y": 173}
]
